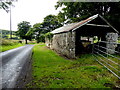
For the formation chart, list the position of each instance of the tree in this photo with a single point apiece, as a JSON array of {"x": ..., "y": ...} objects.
[
  {"x": 50, "y": 23},
  {"x": 61, "y": 18},
  {"x": 6, "y": 4},
  {"x": 23, "y": 28},
  {"x": 37, "y": 29},
  {"x": 76, "y": 11},
  {"x": 30, "y": 34}
]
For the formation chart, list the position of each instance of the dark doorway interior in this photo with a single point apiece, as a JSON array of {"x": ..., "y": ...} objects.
[{"x": 85, "y": 34}]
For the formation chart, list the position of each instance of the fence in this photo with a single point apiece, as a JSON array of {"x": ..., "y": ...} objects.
[{"x": 110, "y": 61}]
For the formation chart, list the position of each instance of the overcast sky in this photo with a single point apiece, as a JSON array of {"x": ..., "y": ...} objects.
[{"x": 32, "y": 11}]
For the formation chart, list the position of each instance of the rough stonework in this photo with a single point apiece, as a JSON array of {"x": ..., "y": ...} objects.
[
  {"x": 111, "y": 44},
  {"x": 63, "y": 43}
]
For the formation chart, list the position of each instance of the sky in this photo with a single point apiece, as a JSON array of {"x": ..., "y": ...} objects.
[{"x": 32, "y": 11}]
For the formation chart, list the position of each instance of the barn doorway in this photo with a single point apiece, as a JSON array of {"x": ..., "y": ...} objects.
[{"x": 88, "y": 35}]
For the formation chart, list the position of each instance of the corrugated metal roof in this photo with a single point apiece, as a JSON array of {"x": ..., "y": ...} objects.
[
  {"x": 74, "y": 26},
  {"x": 64, "y": 28}
]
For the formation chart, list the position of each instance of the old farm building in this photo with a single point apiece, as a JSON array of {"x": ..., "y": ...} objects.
[{"x": 76, "y": 38}]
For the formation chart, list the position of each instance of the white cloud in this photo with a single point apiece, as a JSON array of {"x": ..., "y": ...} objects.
[{"x": 32, "y": 11}]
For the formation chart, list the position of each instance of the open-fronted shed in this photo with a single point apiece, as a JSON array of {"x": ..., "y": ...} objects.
[{"x": 72, "y": 39}]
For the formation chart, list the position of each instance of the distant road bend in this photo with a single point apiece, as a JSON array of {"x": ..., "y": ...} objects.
[{"x": 14, "y": 62}]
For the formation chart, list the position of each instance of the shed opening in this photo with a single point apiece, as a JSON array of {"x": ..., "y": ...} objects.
[{"x": 88, "y": 35}]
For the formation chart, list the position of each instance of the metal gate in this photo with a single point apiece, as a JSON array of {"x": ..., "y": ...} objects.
[{"x": 109, "y": 61}]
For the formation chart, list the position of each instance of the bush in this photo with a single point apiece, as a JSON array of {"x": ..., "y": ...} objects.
[
  {"x": 41, "y": 38},
  {"x": 49, "y": 35}
]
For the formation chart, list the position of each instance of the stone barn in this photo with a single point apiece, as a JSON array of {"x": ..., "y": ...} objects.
[{"x": 76, "y": 38}]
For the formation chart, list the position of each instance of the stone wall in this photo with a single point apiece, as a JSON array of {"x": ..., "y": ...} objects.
[
  {"x": 63, "y": 43},
  {"x": 111, "y": 44}
]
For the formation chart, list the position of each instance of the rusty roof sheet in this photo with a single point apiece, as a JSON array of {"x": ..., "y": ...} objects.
[{"x": 74, "y": 26}]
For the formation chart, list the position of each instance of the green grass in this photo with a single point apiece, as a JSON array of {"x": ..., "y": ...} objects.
[
  {"x": 109, "y": 60},
  {"x": 8, "y": 47},
  {"x": 52, "y": 71},
  {"x": 7, "y": 44}
]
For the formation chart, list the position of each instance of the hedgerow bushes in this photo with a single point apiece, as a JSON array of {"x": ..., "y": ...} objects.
[{"x": 8, "y": 42}]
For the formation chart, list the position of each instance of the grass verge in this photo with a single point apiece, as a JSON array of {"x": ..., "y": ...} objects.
[
  {"x": 7, "y": 44},
  {"x": 52, "y": 71},
  {"x": 8, "y": 47}
]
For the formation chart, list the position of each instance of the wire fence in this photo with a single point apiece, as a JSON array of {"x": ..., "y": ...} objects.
[{"x": 108, "y": 57}]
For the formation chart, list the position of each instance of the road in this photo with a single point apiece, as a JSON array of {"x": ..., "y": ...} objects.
[{"x": 15, "y": 63}]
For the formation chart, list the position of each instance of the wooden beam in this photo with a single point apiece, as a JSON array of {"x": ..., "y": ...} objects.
[
  {"x": 98, "y": 25},
  {"x": 108, "y": 23}
]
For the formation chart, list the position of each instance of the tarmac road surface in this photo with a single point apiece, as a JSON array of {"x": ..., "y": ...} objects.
[{"x": 15, "y": 63}]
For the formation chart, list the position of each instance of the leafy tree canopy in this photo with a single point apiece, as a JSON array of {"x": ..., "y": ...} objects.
[
  {"x": 51, "y": 22},
  {"x": 23, "y": 28},
  {"x": 37, "y": 29},
  {"x": 6, "y": 4},
  {"x": 76, "y": 11}
]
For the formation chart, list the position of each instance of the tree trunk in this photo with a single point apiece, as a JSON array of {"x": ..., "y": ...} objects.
[{"x": 25, "y": 41}]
